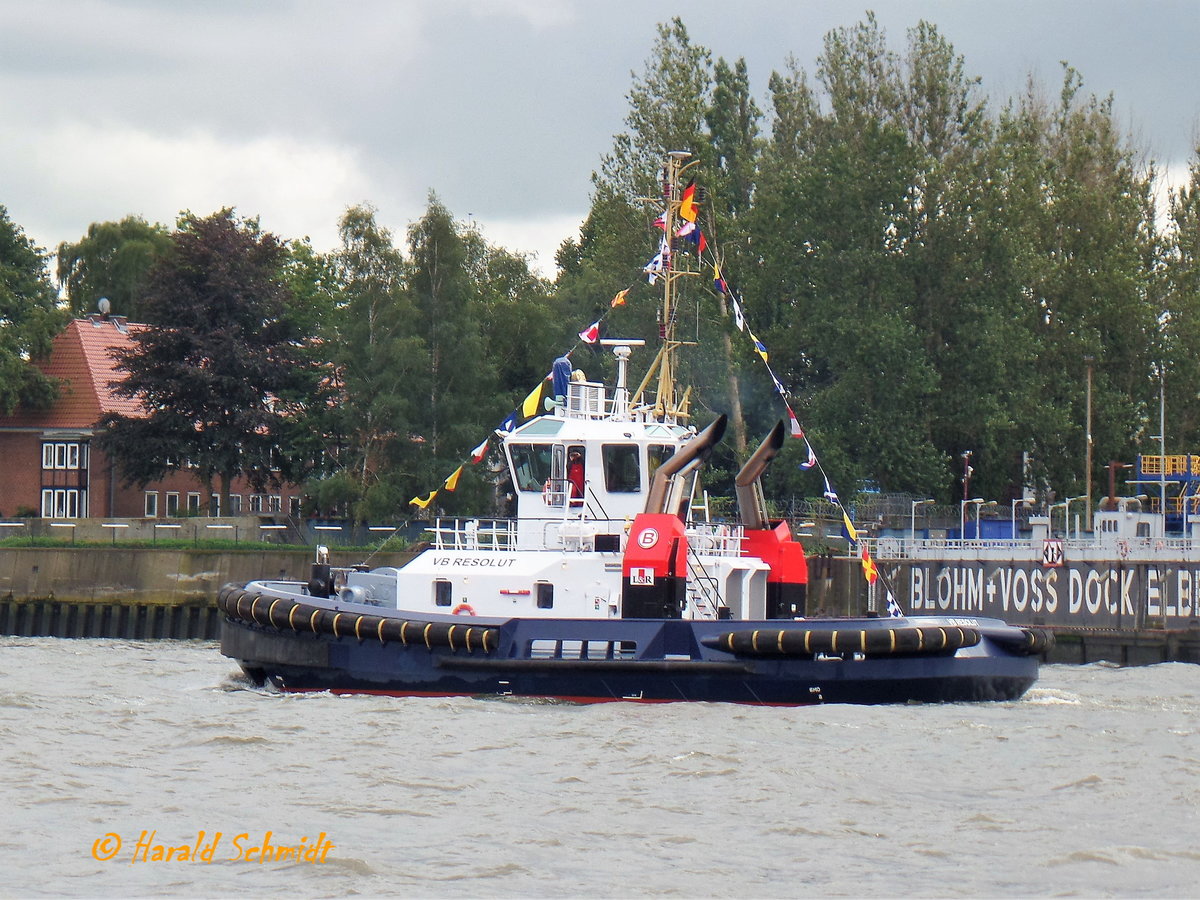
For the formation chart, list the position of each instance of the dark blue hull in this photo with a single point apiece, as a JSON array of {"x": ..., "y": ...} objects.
[{"x": 346, "y": 650}]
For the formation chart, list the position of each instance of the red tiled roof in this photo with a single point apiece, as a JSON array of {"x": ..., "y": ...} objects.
[{"x": 80, "y": 358}]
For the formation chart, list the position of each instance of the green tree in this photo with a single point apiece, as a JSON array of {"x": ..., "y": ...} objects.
[
  {"x": 216, "y": 375},
  {"x": 458, "y": 391},
  {"x": 667, "y": 106},
  {"x": 379, "y": 368},
  {"x": 675, "y": 104},
  {"x": 111, "y": 261},
  {"x": 1181, "y": 323},
  {"x": 29, "y": 319},
  {"x": 964, "y": 298},
  {"x": 834, "y": 297},
  {"x": 519, "y": 323},
  {"x": 311, "y": 304},
  {"x": 1078, "y": 212},
  {"x": 733, "y": 123}
]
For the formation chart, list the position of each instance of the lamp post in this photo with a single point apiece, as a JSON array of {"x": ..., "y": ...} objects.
[
  {"x": 1053, "y": 507},
  {"x": 1067, "y": 514},
  {"x": 1162, "y": 444},
  {"x": 1087, "y": 469},
  {"x": 978, "y": 512},
  {"x": 1125, "y": 501},
  {"x": 962, "y": 517},
  {"x": 913, "y": 531},
  {"x": 1021, "y": 501}
]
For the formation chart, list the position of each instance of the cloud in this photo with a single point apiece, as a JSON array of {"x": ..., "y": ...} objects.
[
  {"x": 538, "y": 14},
  {"x": 79, "y": 173},
  {"x": 539, "y": 238}
]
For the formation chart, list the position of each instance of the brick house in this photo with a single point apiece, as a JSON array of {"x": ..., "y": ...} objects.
[{"x": 49, "y": 465}]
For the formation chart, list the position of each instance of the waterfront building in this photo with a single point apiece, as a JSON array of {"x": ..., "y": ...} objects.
[{"x": 52, "y": 468}]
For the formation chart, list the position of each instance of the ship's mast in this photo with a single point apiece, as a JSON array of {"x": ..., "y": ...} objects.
[{"x": 669, "y": 405}]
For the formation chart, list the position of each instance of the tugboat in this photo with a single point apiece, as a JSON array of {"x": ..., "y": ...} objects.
[{"x": 610, "y": 582}]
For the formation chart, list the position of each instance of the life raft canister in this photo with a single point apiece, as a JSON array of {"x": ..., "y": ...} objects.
[{"x": 463, "y": 609}]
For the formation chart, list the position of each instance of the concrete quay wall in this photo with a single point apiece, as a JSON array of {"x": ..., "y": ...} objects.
[{"x": 143, "y": 593}]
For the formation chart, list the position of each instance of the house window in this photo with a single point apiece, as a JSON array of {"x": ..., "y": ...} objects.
[
  {"x": 294, "y": 506},
  {"x": 256, "y": 503},
  {"x": 193, "y": 504},
  {"x": 151, "y": 504},
  {"x": 276, "y": 503},
  {"x": 235, "y": 504},
  {"x": 63, "y": 503},
  {"x": 173, "y": 503},
  {"x": 214, "y": 505},
  {"x": 64, "y": 455}
]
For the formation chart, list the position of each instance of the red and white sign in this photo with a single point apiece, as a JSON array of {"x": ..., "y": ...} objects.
[
  {"x": 641, "y": 576},
  {"x": 648, "y": 538}
]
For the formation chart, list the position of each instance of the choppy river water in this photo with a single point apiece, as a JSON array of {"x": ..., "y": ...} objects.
[{"x": 118, "y": 754}]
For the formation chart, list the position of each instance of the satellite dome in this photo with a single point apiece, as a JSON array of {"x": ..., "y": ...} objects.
[{"x": 103, "y": 305}]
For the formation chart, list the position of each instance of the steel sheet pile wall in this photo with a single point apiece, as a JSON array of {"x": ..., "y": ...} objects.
[{"x": 1125, "y": 611}]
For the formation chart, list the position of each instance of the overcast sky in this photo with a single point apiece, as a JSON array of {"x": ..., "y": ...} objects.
[{"x": 293, "y": 111}]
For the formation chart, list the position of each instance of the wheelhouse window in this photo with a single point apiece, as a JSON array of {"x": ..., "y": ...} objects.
[
  {"x": 530, "y": 466},
  {"x": 657, "y": 454},
  {"x": 621, "y": 470},
  {"x": 545, "y": 595}
]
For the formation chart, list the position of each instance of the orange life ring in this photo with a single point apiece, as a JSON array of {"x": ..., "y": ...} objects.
[{"x": 463, "y": 609}]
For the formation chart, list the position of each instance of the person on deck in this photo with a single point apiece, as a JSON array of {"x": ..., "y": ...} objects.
[{"x": 575, "y": 477}]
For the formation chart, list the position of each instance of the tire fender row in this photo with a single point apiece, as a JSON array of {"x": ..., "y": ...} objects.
[
  {"x": 919, "y": 640},
  {"x": 283, "y": 613},
  {"x": 1027, "y": 642}
]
